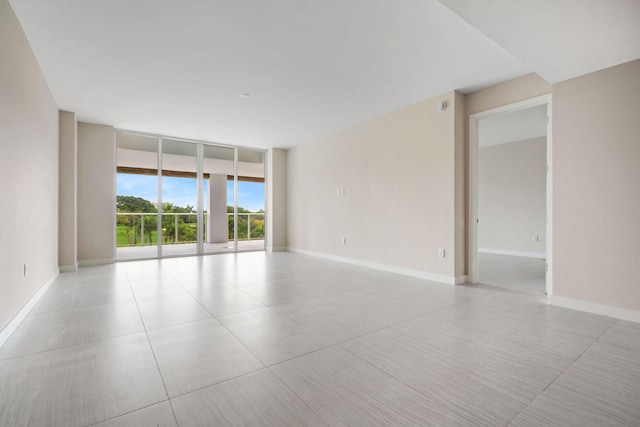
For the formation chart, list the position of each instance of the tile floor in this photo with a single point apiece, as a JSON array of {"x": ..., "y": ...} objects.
[
  {"x": 512, "y": 272},
  {"x": 282, "y": 339}
]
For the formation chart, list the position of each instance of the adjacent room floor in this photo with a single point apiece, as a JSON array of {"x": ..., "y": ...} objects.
[
  {"x": 515, "y": 273},
  {"x": 283, "y": 339}
]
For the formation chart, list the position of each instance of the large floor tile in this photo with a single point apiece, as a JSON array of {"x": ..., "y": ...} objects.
[
  {"x": 53, "y": 330},
  {"x": 82, "y": 294},
  {"x": 281, "y": 291},
  {"x": 170, "y": 310},
  {"x": 299, "y": 340},
  {"x": 355, "y": 325},
  {"x": 476, "y": 321},
  {"x": 440, "y": 378},
  {"x": 199, "y": 354},
  {"x": 21, "y": 380},
  {"x": 512, "y": 367},
  {"x": 522, "y": 274},
  {"x": 226, "y": 300},
  {"x": 154, "y": 287},
  {"x": 273, "y": 337},
  {"x": 624, "y": 333},
  {"x": 331, "y": 306},
  {"x": 158, "y": 415},
  {"x": 254, "y": 399},
  {"x": 97, "y": 381},
  {"x": 345, "y": 390},
  {"x": 200, "y": 281},
  {"x": 601, "y": 388},
  {"x": 534, "y": 310}
]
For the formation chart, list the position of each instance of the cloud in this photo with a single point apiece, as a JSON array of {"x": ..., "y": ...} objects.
[{"x": 183, "y": 191}]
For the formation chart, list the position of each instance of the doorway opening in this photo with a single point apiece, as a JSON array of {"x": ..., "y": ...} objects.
[{"x": 510, "y": 196}]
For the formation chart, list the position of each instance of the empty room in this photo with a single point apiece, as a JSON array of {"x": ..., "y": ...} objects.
[{"x": 286, "y": 213}]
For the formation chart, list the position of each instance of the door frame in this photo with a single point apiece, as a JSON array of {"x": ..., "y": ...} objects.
[{"x": 472, "y": 219}]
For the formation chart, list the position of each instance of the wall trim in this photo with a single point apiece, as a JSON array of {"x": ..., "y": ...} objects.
[
  {"x": 441, "y": 278},
  {"x": 101, "y": 261},
  {"x": 18, "y": 318},
  {"x": 277, "y": 249},
  {"x": 539, "y": 255},
  {"x": 472, "y": 183},
  {"x": 69, "y": 268},
  {"x": 595, "y": 308},
  {"x": 462, "y": 279}
]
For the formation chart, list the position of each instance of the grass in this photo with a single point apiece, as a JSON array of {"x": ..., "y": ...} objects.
[{"x": 121, "y": 237}]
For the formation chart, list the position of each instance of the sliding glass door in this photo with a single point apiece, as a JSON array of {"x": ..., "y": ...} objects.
[
  {"x": 206, "y": 198},
  {"x": 137, "y": 196},
  {"x": 218, "y": 199},
  {"x": 250, "y": 192},
  {"x": 179, "y": 201}
]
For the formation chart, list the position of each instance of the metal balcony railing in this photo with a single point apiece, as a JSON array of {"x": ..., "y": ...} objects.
[{"x": 140, "y": 228}]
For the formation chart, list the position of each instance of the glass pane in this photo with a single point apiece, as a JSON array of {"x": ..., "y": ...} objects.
[
  {"x": 179, "y": 198},
  {"x": 251, "y": 220},
  {"x": 137, "y": 196},
  {"x": 218, "y": 199}
]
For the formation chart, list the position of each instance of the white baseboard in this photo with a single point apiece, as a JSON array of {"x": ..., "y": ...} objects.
[
  {"x": 540, "y": 255},
  {"x": 68, "y": 268},
  {"x": 592, "y": 307},
  {"x": 449, "y": 280},
  {"x": 102, "y": 261},
  {"x": 461, "y": 279},
  {"x": 18, "y": 318},
  {"x": 277, "y": 249}
]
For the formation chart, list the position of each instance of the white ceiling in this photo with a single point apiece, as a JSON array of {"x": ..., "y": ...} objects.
[
  {"x": 513, "y": 126},
  {"x": 559, "y": 39},
  {"x": 312, "y": 67}
]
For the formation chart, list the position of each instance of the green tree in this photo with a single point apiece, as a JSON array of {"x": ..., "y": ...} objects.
[
  {"x": 257, "y": 224},
  {"x": 186, "y": 223},
  {"x": 134, "y": 204},
  {"x": 131, "y": 225}
]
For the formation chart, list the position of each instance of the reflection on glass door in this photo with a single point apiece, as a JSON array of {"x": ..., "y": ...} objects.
[
  {"x": 250, "y": 213},
  {"x": 137, "y": 195},
  {"x": 217, "y": 166},
  {"x": 179, "y": 198}
]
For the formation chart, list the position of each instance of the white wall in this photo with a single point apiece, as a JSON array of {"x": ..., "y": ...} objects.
[
  {"x": 596, "y": 194},
  {"x": 398, "y": 173},
  {"x": 512, "y": 198},
  {"x": 28, "y": 171},
  {"x": 276, "y": 195},
  {"x": 68, "y": 200},
  {"x": 96, "y": 193}
]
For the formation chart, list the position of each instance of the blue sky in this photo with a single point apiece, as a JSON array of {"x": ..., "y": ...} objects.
[{"x": 182, "y": 191}]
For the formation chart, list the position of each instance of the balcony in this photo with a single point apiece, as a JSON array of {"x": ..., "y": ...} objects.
[{"x": 137, "y": 235}]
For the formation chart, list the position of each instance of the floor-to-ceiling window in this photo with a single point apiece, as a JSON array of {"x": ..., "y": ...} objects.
[
  {"x": 207, "y": 198},
  {"x": 250, "y": 200},
  {"x": 179, "y": 200},
  {"x": 218, "y": 168},
  {"x": 137, "y": 196}
]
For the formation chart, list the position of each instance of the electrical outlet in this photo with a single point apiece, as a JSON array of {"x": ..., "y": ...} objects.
[
  {"x": 344, "y": 240},
  {"x": 536, "y": 238},
  {"x": 96, "y": 242},
  {"x": 441, "y": 253}
]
